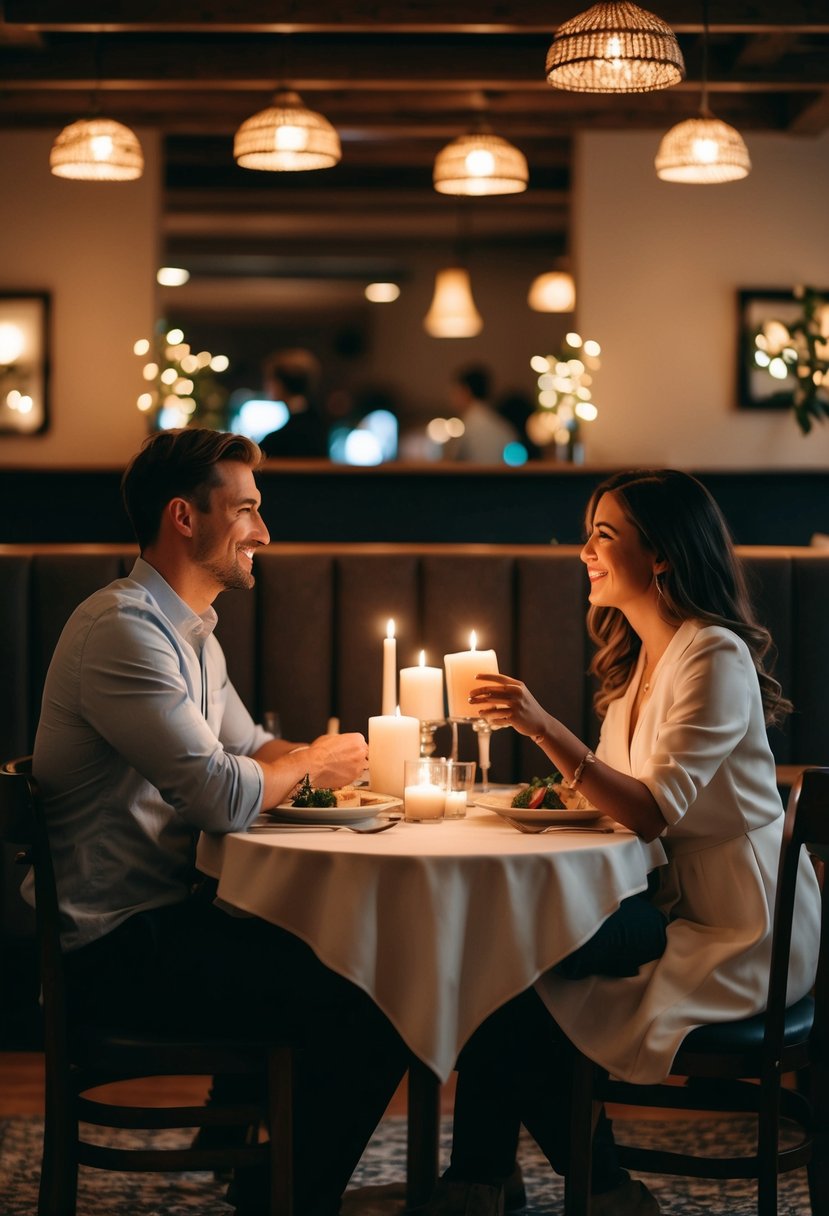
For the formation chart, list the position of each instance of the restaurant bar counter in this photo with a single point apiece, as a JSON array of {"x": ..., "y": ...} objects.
[{"x": 307, "y": 642}]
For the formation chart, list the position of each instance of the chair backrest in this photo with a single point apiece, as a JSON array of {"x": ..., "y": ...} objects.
[
  {"x": 22, "y": 821},
  {"x": 806, "y": 826}
]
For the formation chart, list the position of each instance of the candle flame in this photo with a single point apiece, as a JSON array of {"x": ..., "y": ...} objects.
[
  {"x": 473, "y": 640},
  {"x": 423, "y": 658},
  {"x": 390, "y": 628}
]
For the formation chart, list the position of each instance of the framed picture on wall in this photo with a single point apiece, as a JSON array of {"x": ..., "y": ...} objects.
[
  {"x": 24, "y": 362},
  {"x": 757, "y": 388}
]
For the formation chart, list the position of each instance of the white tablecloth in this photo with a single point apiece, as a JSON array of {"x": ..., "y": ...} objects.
[{"x": 439, "y": 923}]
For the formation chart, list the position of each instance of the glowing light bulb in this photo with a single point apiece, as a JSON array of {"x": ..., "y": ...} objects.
[
  {"x": 479, "y": 162},
  {"x": 290, "y": 139},
  {"x": 101, "y": 147}
]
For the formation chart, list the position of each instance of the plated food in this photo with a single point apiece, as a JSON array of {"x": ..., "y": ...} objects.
[
  {"x": 544, "y": 800},
  {"x": 550, "y": 794}
]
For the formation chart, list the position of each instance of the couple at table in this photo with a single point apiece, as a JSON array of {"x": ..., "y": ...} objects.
[{"x": 143, "y": 742}]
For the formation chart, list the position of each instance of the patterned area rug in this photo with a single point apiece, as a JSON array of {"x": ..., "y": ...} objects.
[{"x": 376, "y": 1188}]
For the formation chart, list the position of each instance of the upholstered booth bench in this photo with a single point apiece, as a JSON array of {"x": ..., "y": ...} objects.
[{"x": 307, "y": 641}]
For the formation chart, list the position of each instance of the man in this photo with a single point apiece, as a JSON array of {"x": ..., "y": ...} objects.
[
  {"x": 143, "y": 742},
  {"x": 293, "y": 376},
  {"x": 486, "y": 433}
]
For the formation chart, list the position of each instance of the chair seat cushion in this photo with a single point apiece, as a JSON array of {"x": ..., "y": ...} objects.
[{"x": 747, "y": 1034}]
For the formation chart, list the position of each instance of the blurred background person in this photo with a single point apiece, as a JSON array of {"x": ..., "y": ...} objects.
[
  {"x": 486, "y": 433},
  {"x": 293, "y": 376}
]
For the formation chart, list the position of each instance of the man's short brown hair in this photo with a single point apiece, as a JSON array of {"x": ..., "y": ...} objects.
[{"x": 178, "y": 464}]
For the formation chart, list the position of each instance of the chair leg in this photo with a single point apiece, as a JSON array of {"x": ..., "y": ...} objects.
[
  {"x": 57, "y": 1195},
  {"x": 577, "y": 1179},
  {"x": 768, "y": 1147}
]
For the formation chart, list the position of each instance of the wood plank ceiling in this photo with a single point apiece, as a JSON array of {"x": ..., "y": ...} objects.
[{"x": 398, "y": 81}]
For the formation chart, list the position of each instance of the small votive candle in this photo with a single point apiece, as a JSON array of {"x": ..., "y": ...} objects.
[
  {"x": 460, "y": 781},
  {"x": 424, "y": 792}
]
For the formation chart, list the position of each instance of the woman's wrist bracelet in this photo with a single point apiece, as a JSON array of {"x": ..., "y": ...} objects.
[{"x": 587, "y": 758}]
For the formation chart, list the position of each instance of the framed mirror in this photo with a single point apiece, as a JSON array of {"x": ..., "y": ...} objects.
[{"x": 24, "y": 362}]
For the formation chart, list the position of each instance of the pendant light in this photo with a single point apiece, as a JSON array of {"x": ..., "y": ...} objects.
[
  {"x": 286, "y": 137},
  {"x": 452, "y": 313},
  {"x": 480, "y": 164},
  {"x": 703, "y": 151},
  {"x": 97, "y": 150},
  {"x": 554, "y": 291},
  {"x": 614, "y": 48}
]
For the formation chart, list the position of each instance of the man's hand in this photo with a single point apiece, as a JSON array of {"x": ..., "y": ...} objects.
[
  {"x": 336, "y": 760},
  {"x": 331, "y": 761}
]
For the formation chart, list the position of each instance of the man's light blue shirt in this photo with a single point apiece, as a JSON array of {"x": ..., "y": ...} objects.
[{"x": 130, "y": 767}]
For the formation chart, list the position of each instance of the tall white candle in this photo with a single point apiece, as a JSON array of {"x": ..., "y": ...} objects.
[
  {"x": 421, "y": 691},
  {"x": 389, "y": 670},
  {"x": 462, "y": 670},
  {"x": 392, "y": 740}
]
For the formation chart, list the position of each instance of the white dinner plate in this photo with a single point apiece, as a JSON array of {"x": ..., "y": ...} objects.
[
  {"x": 371, "y": 804},
  {"x": 502, "y": 805}
]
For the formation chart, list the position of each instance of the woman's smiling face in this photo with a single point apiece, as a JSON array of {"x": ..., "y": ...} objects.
[{"x": 619, "y": 565}]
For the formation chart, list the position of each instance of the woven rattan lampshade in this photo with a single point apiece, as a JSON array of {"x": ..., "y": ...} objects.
[
  {"x": 614, "y": 48},
  {"x": 480, "y": 164},
  {"x": 97, "y": 150},
  {"x": 453, "y": 313},
  {"x": 554, "y": 291},
  {"x": 702, "y": 151},
  {"x": 287, "y": 137}
]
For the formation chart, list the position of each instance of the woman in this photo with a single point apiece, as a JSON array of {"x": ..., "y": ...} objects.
[{"x": 683, "y": 755}]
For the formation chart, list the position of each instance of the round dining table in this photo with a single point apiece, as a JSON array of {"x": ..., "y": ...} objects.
[{"x": 440, "y": 923}]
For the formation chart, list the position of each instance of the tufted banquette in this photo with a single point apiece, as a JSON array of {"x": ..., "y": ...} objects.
[{"x": 307, "y": 641}]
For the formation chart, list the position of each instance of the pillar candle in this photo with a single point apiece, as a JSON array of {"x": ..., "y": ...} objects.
[
  {"x": 421, "y": 691},
  {"x": 462, "y": 671},
  {"x": 392, "y": 740},
  {"x": 389, "y": 702}
]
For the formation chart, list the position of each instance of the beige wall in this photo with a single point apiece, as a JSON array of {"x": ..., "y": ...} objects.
[
  {"x": 659, "y": 266},
  {"x": 95, "y": 248}
]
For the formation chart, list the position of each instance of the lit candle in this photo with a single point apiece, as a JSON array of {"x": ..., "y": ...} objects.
[
  {"x": 389, "y": 670},
  {"x": 462, "y": 671},
  {"x": 455, "y": 804},
  {"x": 421, "y": 691},
  {"x": 392, "y": 740},
  {"x": 424, "y": 802}
]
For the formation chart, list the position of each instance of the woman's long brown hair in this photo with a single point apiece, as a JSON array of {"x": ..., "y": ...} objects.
[{"x": 680, "y": 522}]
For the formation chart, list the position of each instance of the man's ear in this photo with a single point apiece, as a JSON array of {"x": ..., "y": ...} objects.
[{"x": 180, "y": 514}]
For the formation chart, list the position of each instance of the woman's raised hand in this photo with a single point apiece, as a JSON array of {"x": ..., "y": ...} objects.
[{"x": 504, "y": 701}]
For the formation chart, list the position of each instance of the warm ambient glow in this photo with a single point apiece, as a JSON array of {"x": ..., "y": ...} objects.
[
  {"x": 478, "y": 165},
  {"x": 97, "y": 150},
  {"x": 453, "y": 313},
  {"x": 702, "y": 151},
  {"x": 172, "y": 276},
  {"x": 614, "y": 48},
  {"x": 554, "y": 291},
  {"x": 381, "y": 293},
  {"x": 286, "y": 137}
]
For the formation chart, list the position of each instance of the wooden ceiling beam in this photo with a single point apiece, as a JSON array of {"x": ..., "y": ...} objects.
[{"x": 473, "y": 16}]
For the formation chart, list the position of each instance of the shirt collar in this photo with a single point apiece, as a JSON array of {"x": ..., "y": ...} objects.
[{"x": 193, "y": 626}]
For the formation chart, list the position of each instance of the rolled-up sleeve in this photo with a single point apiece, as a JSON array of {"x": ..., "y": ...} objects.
[
  {"x": 136, "y": 692},
  {"x": 707, "y": 719}
]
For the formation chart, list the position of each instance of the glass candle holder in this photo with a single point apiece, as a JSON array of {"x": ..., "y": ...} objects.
[
  {"x": 424, "y": 791},
  {"x": 460, "y": 781}
]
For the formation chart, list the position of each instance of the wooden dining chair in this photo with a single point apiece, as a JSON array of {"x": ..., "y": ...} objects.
[
  {"x": 77, "y": 1064},
  {"x": 742, "y": 1066}
]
